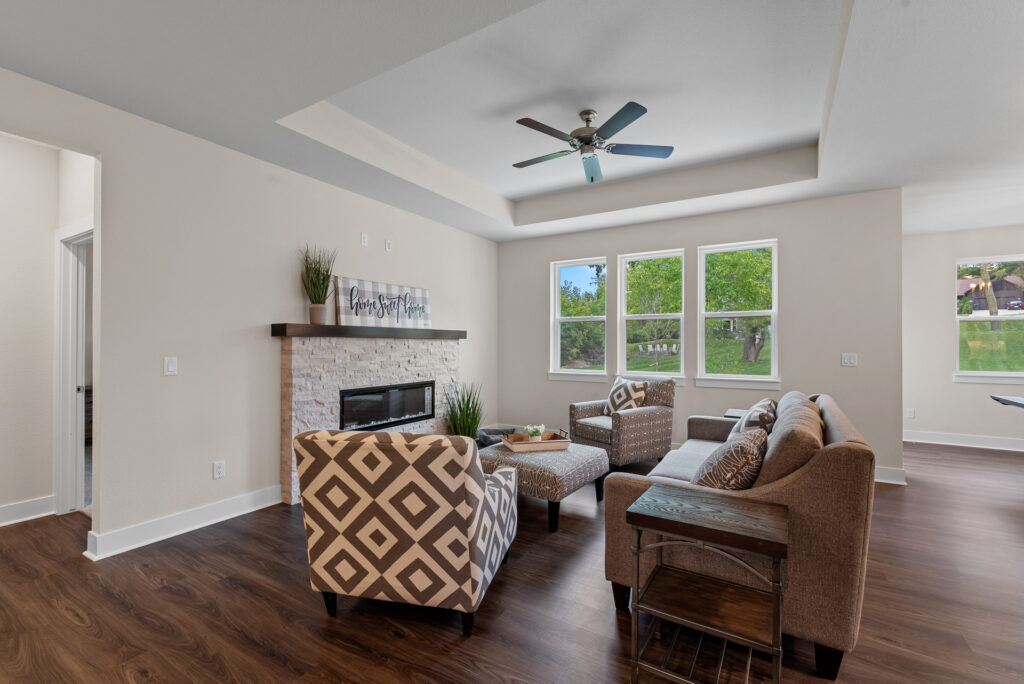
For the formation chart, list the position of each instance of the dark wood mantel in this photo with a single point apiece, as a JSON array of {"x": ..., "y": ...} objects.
[{"x": 309, "y": 330}]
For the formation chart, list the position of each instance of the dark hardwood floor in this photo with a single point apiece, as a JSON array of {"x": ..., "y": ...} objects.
[{"x": 232, "y": 602}]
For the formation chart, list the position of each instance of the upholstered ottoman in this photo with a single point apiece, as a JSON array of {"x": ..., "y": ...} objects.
[{"x": 551, "y": 475}]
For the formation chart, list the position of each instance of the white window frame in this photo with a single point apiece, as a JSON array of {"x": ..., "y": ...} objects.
[
  {"x": 985, "y": 377},
  {"x": 727, "y": 380},
  {"x": 555, "y": 372},
  {"x": 623, "y": 317}
]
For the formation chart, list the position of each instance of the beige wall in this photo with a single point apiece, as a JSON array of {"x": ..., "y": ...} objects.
[
  {"x": 949, "y": 411},
  {"x": 28, "y": 218},
  {"x": 839, "y": 284},
  {"x": 199, "y": 253}
]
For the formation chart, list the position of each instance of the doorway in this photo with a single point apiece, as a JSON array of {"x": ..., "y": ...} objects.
[{"x": 75, "y": 330}]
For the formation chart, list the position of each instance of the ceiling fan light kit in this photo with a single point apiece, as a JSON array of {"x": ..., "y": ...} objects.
[{"x": 587, "y": 140}]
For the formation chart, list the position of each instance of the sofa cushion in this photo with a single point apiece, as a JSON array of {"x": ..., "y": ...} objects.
[
  {"x": 682, "y": 463},
  {"x": 625, "y": 394},
  {"x": 734, "y": 464},
  {"x": 795, "y": 438},
  {"x": 760, "y": 416},
  {"x": 595, "y": 428}
]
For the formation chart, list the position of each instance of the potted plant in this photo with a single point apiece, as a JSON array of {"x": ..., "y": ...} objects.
[
  {"x": 535, "y": 432},
  {"x": 464, "y": 410},
  {"x": 317, "y": 268}
]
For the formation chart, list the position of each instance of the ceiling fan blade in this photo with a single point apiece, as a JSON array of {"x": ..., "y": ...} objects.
[
  {"x": 592, "y": 168},
  {"x": 538, "y": 160},
  {"x": 657, "y": 151},
  {"x": 544, "y": 128},
  {"x": 629, "y": 113}
]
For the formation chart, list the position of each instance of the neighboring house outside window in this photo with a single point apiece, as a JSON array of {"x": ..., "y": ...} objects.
[
  {"x": 578, "y": 321},
  {"x": 990, "y": 319},
  {"x": 651, "y": 313},
  {"x": 737, "y": 342}
]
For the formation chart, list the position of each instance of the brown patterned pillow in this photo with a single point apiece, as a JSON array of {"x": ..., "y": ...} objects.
[
  {"x": 759, "y": 416},
  {"x": 736, "y": 463},
  {"x": 625, "y": 394}
]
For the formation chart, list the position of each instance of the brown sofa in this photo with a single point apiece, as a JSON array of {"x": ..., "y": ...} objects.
[
  {"x": 818, "y": 465},
  {"x": 630, "y": 436}
]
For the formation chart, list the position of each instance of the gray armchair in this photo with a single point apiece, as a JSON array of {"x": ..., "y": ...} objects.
[{"x": 630, "y": 436}]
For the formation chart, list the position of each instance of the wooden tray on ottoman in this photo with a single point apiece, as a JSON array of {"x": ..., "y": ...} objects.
[{"x": 549, "y": 441}]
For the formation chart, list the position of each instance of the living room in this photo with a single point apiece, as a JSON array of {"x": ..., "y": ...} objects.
[{"x": 864, "y": 154}]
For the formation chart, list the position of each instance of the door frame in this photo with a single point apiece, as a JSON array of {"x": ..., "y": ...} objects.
[{"x": 69, "y": 370}]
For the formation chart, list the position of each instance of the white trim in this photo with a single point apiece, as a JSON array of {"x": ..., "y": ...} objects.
[
  {"x": 622, "y": 317},
  {"x": 738, "y": 382},
  {"x": 955, "y": 439},
  {"x": 983, "y": 378},
  {"x": 896, "y": 476},
  {"x": 20, "y": 511},
  {"x": 705, "y": 379},
  {"x": 132, "y": 537},
  {"x": 578, "y": 376},
  {"x": 679, "y": 380}
]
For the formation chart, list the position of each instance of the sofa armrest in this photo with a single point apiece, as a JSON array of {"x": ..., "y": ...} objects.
[
  {"x": 586, "y": 409},
  {"x": 710, "y": 428}
]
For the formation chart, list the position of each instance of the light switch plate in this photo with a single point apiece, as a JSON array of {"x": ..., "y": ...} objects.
[
  {"x": 846, "y": 359},
  {"x": 170, "y": 365},
  {"x": 219, "y": 469},
  {"x": 910, "y": 413},
  {"x": 364, "y": 239},
  {"x": 387, "y": 245}
]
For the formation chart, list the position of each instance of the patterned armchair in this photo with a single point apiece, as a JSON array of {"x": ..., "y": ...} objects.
[
  {"x": 400, "y": 517},
  {"x": 630, "y": 436}
]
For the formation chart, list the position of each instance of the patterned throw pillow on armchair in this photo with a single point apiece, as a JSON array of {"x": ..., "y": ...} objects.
[{"x": 625, "y": 394}]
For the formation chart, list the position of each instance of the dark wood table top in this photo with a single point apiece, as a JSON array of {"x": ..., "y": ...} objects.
[
  {"x": 714, "y": 518},
  {"x": 1009, "y": 401}
]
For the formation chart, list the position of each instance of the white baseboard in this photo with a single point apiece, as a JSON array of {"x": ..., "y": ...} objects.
[
  {"x": 896, "y": 476},
  {"x": 955, "y": 439},
  {"x": 20, "y": 511},
  {"x": 132, "y": 537}
]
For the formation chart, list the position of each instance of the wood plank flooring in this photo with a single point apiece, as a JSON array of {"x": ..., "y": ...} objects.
[{"x": 232, "y": 603}]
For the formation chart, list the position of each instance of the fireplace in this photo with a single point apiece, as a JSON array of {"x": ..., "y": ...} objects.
[{"x": 376, "y": 408}]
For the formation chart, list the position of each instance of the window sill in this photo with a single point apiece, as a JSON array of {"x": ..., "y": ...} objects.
[
  {"x": 739, "y": 383},
  {"x": 578, "y": 376},
  {"x": 993, "y": 379},
  {"x": 680, "y": 380}
]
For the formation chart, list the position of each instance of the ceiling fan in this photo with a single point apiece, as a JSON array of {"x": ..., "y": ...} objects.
[{"x": 588, "y": 140}]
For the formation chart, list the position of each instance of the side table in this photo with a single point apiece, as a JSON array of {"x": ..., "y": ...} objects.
[{"x": 720, "y": 524}]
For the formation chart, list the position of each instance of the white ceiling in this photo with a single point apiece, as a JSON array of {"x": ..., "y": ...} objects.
[
  {"x": 928, "y": 96},
  {"x": 720, "y": 80}
]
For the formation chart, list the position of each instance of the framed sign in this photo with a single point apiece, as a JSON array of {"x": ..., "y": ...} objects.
[{"x": 382, "y": 305}]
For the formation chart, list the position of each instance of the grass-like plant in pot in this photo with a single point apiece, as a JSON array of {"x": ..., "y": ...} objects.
[
  {"x": 464, "y": 408},
  {"x": 317, "y": 270}
]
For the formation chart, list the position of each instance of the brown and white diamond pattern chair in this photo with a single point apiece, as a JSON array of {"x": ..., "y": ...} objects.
[{"x": 400, "y": 517}]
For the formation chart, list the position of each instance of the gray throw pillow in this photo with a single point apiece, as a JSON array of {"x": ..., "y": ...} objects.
[
  {"x": 759, "y": 416},
  {"x": 625, "y": 394},
  {"x": 736, "y": 463}
]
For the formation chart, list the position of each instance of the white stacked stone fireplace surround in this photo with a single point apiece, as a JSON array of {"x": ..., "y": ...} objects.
[{"x": 315, "y": 369}]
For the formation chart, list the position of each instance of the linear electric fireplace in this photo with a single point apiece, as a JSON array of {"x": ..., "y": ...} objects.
[{"x": 376, "y": 408}]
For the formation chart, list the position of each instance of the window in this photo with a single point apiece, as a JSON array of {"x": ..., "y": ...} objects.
[
  {"x": 990, "y": 319},
  {"x": 578, "y": 325},
  {"x": 738, "y": 311},
  {"x": 651, "y": 313}
]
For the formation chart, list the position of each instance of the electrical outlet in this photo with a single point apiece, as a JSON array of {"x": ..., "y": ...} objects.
[
  {"x": 387, "y": 245},
  {"x": 910, "y": 413},
  {"x": 170, "y": 365},
  {"x": 364, "y": 239},
  {"x": 846, "y": 359},
  {"x": 219, "y": 469}
]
